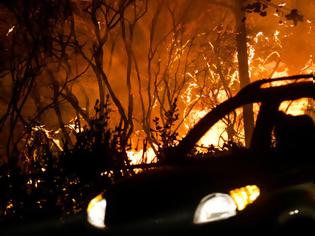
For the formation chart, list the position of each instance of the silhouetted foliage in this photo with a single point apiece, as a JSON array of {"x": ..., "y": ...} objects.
[
  {"x": 295, "y": 16},
  {"x": 257, "y": 7},
  {"x": 98, "y": 148},
  {"x": 164, "y": 130},
  {"x": 261, "y": 7},
  {"x": 46, "y": 185}
]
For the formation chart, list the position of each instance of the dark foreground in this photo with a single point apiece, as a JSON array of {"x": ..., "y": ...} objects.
[{"x": 76, "y": 225}]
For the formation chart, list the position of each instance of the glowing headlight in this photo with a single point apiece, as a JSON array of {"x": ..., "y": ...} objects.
[
  {"x": 96, "y": 211},
  {"x": 219, "y": 206},
  {"x": 216, "y": 206}
]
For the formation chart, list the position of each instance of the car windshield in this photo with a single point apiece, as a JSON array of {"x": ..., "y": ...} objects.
[{"x": 270, "y": 101}]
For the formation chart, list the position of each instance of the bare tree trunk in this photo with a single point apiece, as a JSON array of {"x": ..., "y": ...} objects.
[{"x": 242, "y": 57}]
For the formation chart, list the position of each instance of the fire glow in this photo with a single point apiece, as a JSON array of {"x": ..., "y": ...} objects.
[
  {"x": 151, "y": 62},
  {"x": 217, "y": 135}
]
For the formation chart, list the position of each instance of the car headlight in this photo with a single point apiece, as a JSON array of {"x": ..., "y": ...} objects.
[
  {"x": 219, "y": 206},
  {"x": 96, "y": 211}
]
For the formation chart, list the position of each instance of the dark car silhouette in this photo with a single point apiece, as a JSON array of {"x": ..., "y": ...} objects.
[{"x": 267, "y": 186}]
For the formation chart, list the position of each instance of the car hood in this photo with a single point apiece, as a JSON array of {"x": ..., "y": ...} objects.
[{"x": 172, "y": 193}]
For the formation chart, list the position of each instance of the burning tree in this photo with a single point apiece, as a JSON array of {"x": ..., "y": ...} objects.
[
  {"x": 190, "y": 63},
  {"x": 34, "y": 44}
]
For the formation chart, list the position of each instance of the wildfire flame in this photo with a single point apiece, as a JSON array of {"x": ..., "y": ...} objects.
[
  {"x": 138, "y": 157},
  {"x": 192, "y": 112},
  {"x": 50, "y": 134},
  {"x": 217, "y": 135}
]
